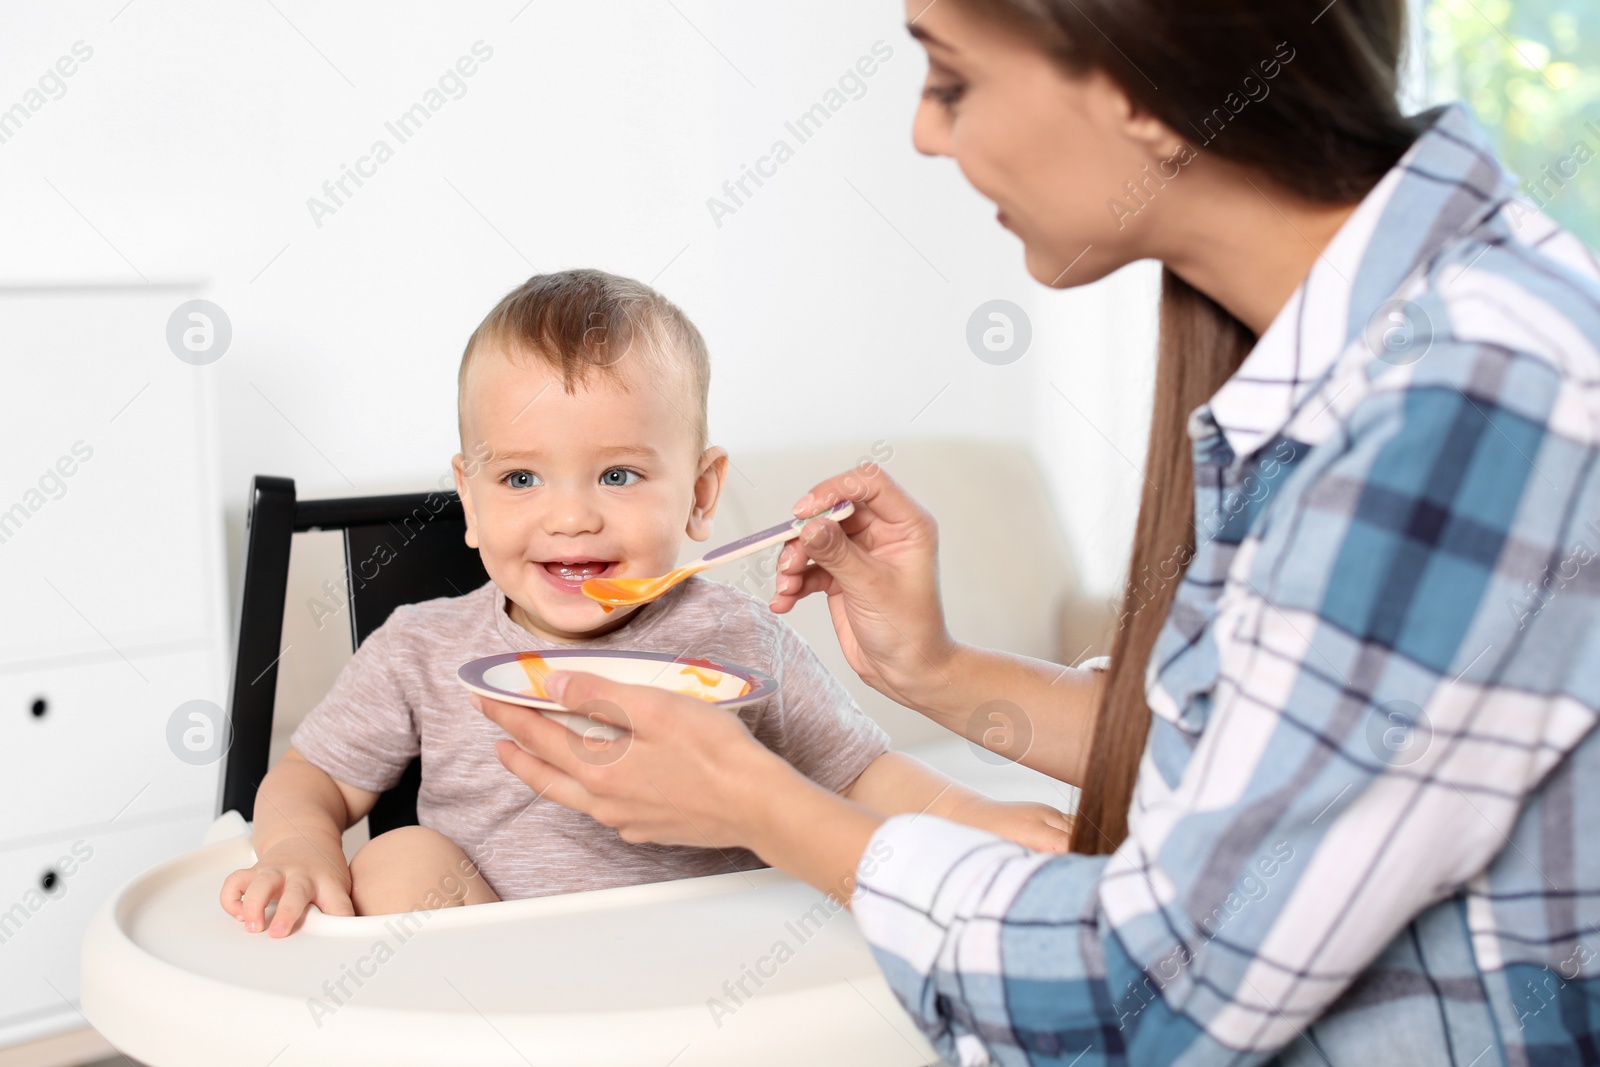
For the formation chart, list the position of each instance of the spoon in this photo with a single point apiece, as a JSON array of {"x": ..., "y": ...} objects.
[{"x": 625, "y": 592}]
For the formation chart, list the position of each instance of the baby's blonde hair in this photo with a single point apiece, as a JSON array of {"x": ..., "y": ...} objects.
[{"x": 583, "y": 322}]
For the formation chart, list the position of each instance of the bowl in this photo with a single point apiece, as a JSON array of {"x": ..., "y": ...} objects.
[{"x": 519, "y": 678}]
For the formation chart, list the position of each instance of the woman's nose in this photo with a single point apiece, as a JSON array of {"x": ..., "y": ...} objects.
[{"x": 930, "y": 130}]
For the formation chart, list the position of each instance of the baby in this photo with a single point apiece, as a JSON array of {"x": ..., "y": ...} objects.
[{"x": 582, "y": 409}]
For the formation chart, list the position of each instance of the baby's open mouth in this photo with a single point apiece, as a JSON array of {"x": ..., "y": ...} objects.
[{"x": 579, "y": 570}]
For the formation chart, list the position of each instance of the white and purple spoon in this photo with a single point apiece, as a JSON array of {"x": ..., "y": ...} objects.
[{"x": 626, "y": 592}]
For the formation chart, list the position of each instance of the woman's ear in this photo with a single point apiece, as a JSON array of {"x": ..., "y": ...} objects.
[
  {"x": 707, "y": 491},
  {"x": 1127, "y": 116},
  {"x": 458, "y": 468}
]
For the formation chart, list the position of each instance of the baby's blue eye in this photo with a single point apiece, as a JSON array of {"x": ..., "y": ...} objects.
[
  {"x": 521, "y": 479},
  {"x": 618, "y": 476}
]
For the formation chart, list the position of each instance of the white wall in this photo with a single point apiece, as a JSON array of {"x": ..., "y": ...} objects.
[{"x": 835, "y": 299}]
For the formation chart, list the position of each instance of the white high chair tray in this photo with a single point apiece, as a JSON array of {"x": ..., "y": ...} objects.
[{"x": 615, "y": 977}]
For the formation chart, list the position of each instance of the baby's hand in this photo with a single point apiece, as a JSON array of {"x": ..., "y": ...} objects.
[
  {"x": 1036, "y": 826},
  {"x": 295, "y": 874}
]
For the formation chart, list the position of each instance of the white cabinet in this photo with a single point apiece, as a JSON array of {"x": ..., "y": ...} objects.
[
  {"x": 48, "y": 891},
  {"x": 112, "y": 616},
  {"x": 87, "y": 743},
  {"x": 108, "y": 521}
]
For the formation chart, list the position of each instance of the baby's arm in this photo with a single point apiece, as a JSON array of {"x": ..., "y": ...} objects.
[
  {"x": 300, "y": 818},
  {"x": 897, "y": 784}
]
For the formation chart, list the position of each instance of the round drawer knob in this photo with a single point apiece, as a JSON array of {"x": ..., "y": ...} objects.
[
  {"x": 40, "y": 706},
  {"x": 48, "y": 880}
]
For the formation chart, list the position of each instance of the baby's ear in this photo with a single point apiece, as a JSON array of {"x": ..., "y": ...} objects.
[
  {"x": 707, "y": 491},
  {"x": 463, "y": 490}
]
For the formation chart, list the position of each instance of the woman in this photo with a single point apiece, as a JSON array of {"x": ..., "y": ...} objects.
[{"x": 1341, "y": 783}]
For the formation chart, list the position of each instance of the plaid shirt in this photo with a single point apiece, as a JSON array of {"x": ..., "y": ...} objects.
[{"x": 1366, "y": 829}]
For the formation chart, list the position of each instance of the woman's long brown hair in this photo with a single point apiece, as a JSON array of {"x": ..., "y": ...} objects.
[{"x": 1327, "y": 127}]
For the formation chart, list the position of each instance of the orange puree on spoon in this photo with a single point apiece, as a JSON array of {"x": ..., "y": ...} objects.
[{"x": 625, "y": 592}]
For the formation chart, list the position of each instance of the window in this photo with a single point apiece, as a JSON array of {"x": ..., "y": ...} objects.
[{"x": 1530, "y": 71}]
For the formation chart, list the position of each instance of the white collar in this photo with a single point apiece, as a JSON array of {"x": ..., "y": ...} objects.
[{"x": 1305, "y": 337}]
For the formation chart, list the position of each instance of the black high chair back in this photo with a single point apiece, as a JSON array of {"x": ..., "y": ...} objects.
[{"x": 397, "y": 550}]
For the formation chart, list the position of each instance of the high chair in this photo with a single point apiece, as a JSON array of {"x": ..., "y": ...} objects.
[{"x": 739, "y": 968}]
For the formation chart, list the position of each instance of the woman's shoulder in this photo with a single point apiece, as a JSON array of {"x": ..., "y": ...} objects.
[
  {"x": 1520, "y": 286},
  {"x": 1501, "y": 336}
]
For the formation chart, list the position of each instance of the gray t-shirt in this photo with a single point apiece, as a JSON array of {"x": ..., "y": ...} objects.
[{"x": 398, "y": 696}]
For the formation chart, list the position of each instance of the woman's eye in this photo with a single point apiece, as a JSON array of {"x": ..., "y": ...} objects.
[
  {"x": 619, "y": 476},
  {"x": 521, "y": 479},
  {"x": 946, "y": 96}
]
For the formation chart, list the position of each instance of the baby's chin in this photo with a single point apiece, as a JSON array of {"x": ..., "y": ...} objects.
[{"x": 574, "y": 618}]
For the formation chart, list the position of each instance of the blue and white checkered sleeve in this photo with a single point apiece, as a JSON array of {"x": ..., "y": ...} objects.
[{"x": 1378, "y": 720}]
